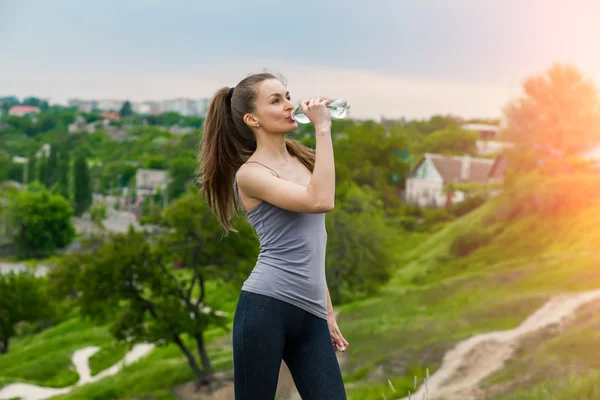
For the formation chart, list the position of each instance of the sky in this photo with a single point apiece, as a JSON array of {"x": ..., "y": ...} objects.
[{"x": 388, "y": 58}]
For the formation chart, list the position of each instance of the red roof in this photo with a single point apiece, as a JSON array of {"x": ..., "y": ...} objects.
[{"x": 23, "y": 109}]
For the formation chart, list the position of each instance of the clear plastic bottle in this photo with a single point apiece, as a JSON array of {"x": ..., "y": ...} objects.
[{"x": 337, "y": 109}]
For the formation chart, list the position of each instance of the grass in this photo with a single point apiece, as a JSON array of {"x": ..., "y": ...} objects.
[
  {"x": 438, "y": 300},
  {"x": 586, "y": 387},
  {"x": 151, "y": 377},
  {"x": 45, "y": 359},
  {"x": 433, "y": 301}
]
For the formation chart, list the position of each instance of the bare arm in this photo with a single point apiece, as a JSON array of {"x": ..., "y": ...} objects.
[
  {"x": 330, "y": 313},
  {"x": 257, "y": 182}
]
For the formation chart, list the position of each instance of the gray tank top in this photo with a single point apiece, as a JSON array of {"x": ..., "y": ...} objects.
[{"x": 291, "y": 262}]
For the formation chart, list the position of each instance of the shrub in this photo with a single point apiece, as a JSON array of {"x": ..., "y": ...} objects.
[{"x": 467, "y": 242}]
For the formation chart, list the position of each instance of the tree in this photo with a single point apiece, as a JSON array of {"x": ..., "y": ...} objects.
[
  {"x": 63, "y": 174},
  {"x": 181, "y": 173},
  {"x": 451, "y": 141},
  {"x": 434, "y": 124},
  {"x": 557, "y": 116},
  {"x": 41, "y": 220},
  {"x": 42, "y": 169},
  {"x": 52, "y": 167},
  {"x": 126, "y": 110},
  {"x": 130, "y": 280},
  {"x": 5, "y": 163},
  {"x": 32, "y": 169},
  {"x": 82, "y": 185},
  {"x": 36, "y": 102},
  {"x": 23, "y": 299},
  {"x": 359, "y": 246},
  {"x": 368, "y": 155}
]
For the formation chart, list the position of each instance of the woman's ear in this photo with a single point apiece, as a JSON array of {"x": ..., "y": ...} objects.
[{"x": 250, "y": 120}]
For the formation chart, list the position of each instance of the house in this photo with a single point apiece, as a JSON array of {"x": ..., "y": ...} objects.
[
  {"x": 147, "y": 181},
  {"x": 486, "y": 145},
  {"x": 80, "y": 125},
  {"x": 23, "y": 111},
  {"x": 427, "y": 179},
  {"x": 486, "y": 131},
  {"x": 491, "y": 147},
  {"x": 111, "y": 116}
]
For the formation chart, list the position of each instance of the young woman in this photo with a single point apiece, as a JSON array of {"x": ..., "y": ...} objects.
[{"x": 284, "y": 310}]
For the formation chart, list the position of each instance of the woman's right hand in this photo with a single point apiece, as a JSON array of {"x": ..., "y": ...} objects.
[{"x": 316, "y": 111}]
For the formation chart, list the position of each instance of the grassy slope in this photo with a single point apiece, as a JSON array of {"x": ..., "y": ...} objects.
[
  {"x": 437, "y": 300},
  {"x": 433, "y": 301},
  {"x": 45, "y": 359}
]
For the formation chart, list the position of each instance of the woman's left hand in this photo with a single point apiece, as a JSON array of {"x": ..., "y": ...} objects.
[{"x": 338, "y": 341}]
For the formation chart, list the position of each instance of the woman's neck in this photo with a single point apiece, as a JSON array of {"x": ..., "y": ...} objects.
[{"x": 272, "y": 148}]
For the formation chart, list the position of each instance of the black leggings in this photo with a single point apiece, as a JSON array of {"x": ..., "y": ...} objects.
[{"x": 267, "y": 330}]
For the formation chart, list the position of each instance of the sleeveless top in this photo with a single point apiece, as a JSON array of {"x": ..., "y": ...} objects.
[{"x": 291, "y": 262}]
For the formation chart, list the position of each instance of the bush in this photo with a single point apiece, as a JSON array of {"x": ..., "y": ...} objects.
[
  {"x": 467, "y": 242},
  {"x": 408, "y": 223},
  {"x": 467, "y": 205}
]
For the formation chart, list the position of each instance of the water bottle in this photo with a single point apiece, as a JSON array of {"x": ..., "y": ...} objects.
[{"x": 337, "y": 109}]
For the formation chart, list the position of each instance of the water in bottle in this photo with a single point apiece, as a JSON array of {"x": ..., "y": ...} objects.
[{"x": 337, "y": 109}]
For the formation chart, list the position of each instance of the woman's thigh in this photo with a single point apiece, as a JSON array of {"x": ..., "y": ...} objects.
[
  {"x": 258, "y": 343},
  {"x": 312, "y": 362}
]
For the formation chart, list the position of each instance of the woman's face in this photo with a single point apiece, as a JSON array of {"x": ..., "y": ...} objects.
[{"x": 273, "y": 107}]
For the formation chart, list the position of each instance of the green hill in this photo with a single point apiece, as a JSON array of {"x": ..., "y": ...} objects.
[
  {"x": 435, "y": 300},
  {"x": 439, "y": 299}
]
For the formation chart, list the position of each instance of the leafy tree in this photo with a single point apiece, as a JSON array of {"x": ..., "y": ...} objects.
[
  {"x": 369, "y": 155},
  {"x": 5, "y": 163},
  {"x": 359, "y": 245},
  {"x": 126, "y": 110},
  {"x": 42, "y": 221},
  {"x": 434, "y": 124},
  {"x": 42, "y": 169},
  {"x": 52, "y": 167},
  {"x": 23, "y": 299},
  {"x": 558, "y": 116},
  {"x": 181, "y": 173},
  {"x": 63, "y": 174},
  {"x": 36, "y": 102},
  {"x": 82, "y": 185},
  {"x": 32, "y": 169},
  {"x": 130, "y": 280},
  {"x": 156, "y": 162},
  {"x": 452, "y": 141}
]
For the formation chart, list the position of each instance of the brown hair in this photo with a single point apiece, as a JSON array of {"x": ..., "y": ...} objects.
[{"x": 227, "y": 142}]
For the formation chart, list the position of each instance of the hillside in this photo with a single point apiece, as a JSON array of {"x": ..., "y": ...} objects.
[
  {"x": 438, "y": 300},
  {"x": 434, "y": 301}
]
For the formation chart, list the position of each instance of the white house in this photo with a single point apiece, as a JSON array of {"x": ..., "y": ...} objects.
[{"x": 424, "y": 186}]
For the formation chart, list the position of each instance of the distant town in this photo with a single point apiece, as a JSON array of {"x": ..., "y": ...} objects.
[{"x": 182, "y": 106}]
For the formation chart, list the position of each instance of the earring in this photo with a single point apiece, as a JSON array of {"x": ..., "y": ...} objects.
[{"x": 258, "y": 125}]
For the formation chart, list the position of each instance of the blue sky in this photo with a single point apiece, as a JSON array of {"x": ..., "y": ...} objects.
[{"x": 390, "y": 58}]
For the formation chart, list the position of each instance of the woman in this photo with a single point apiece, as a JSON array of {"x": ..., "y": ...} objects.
[{"x": 284, "y": 310}]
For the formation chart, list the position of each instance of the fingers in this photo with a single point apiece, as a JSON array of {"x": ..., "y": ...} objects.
[
  {"x": 341, "y": 341},
  {"x": 304, "y": 105}
]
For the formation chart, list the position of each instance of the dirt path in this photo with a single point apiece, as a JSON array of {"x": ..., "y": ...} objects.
[
  {"x": 80, "y": 360},
  {"x": 471, "y": 360}
]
